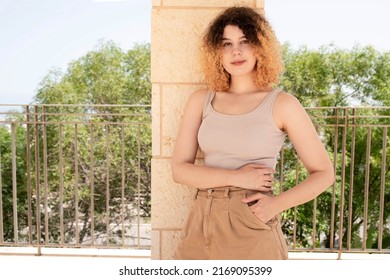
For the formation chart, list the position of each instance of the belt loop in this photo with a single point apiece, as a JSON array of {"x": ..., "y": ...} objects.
[
  {"x": 210, "y": 192},
  {"x": 197, "y": 192},
  {"x": 226, "y": 193}
]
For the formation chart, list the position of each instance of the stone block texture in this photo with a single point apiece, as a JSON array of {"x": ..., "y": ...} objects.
[{"x": 177, "y": 26}]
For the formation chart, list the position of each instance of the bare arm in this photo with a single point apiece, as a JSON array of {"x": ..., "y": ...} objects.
[
  {"x": 184, "y": 169},
  {"x": 291, "y": 116}
]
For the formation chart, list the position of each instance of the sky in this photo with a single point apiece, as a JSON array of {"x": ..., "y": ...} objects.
[{"x": 37, "y": 36}]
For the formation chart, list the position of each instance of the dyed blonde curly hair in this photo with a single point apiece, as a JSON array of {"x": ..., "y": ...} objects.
[{"x": 260, "y": 34}]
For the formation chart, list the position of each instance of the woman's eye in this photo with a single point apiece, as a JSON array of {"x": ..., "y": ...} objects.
[
  {"x": 244, "y": 42},
  {"x": 226, "y": 44}
]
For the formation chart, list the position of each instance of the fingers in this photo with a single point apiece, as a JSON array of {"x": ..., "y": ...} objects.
[
  {"x": 266, "y": 175},
  {"x": 268, "y": 181},
  {"x": 250, "y": 198},
  {"x": 257, "y": 177},
  {"x": 268, "y": 178},
  {"x": 253, "y": 197},
  {"x": 268, "y": 184},
  {"x": 262, "y": 168}
]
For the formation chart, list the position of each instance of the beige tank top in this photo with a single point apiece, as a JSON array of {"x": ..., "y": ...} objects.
[{"x": 232, "y": 141}]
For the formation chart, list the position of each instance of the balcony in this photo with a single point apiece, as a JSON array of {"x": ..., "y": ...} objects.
[
  {"x": 75, "y": 177},
  {"x": 75, "y": 180}
]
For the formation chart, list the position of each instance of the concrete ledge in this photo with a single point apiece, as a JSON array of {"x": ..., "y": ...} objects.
[
  {"x": 146, "y": 254},
  {"x": 334, "y": 256},
  {"x": 77, "y": 252}
]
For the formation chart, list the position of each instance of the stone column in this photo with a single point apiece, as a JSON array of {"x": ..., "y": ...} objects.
[{"x": 176, "y": 29}]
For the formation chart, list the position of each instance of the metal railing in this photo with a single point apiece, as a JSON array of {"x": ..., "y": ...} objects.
[
  {"x": 75, "y": 176},
  {"x": 353, "y": 215},
  {"x": 79, "y": 176}
]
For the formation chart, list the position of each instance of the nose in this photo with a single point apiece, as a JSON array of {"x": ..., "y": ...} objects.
[{"x": 236, "y": 51}]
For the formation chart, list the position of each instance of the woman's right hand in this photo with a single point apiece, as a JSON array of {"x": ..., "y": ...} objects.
[{"x": 255, "y": 177}]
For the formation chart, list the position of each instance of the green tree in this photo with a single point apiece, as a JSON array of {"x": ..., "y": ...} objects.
[
  {"x": 110, "y": 151},
  {"x": 334, "y": 77},
  {"x": 105, "y": 75},
  {"x": 331, "y": 76},
  {"x": 13, "y": 135}
]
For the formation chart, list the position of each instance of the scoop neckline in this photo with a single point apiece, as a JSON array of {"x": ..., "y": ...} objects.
[{"x": 239, "y": 115}]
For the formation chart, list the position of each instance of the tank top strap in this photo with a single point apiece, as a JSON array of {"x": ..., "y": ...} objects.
[
  {"x": 270, "y": 99},
  {"x": 207, "y": 102},
  {"x": 268, "y": 104}
]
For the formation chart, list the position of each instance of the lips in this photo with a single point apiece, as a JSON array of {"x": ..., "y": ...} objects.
[{"x": 238, "y": 62}]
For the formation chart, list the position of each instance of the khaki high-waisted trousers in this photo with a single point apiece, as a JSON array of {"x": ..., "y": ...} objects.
[{"x": 221, "y": 226}]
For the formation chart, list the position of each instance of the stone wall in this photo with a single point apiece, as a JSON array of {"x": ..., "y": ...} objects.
[{"x": 177, "y": 26}]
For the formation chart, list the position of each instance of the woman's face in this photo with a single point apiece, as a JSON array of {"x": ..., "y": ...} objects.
[{"x": 238, "y": 57}]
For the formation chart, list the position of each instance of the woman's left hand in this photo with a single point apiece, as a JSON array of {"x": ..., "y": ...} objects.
[{"x": 264, "y": 206}]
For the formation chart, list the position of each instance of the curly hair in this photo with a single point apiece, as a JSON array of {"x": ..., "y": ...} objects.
[{"x": 259, "y": 33}]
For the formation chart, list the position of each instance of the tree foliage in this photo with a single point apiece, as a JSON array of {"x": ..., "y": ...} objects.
[
  {"x": 329, "y": 78},
  {"x": 332, "y": 77},
  {"x": 94, "y": 155}
]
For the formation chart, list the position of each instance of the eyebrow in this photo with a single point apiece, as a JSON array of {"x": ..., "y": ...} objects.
[{"x": 242, "y": 37}]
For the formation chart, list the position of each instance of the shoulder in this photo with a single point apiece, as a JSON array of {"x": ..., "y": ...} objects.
[
  {"x": 286, "y": 103},
  {"x": 200, "y": 94},
  {"x": 198, "y": 98},
  {"x": 285, "y": 99},
  {"x": 195, "y": 103},
  {"x": 287, "y": 110}
]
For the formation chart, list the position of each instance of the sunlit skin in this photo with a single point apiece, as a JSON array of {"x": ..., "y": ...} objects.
[
  {"x": 243, "y": 96},
  {"x": 237, "y": 53}
]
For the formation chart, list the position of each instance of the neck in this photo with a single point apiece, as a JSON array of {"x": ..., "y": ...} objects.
[{"x": 243, "y": 85}]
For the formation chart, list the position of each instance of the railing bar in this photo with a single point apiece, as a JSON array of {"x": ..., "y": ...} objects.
[
  {"x": 82, "y": 245},
  {"x": 148, "y": 105},
  {"x": 355, "y": 125},
  {"x": 146, "y": 114},
  {"x": 28, "y": 171},
  {"x": 107, "y": 186},
  {"x": 37, "y": 184},
  {"x": 80, "y": 114},
  {"x": 351, "y": 185},
  {"x": 92, "y": 185},
  {"x": 139, "y": 186},
  {"x": 295, "y": 228},
  {"x": 61, "y": 177},
  {"x": 327, "y": 250},
  {"x": 354, "y": 117},
  {"x": 295, "y": 208},
  {"x": 80, "y": 123},
  {"x": 348, "y": 107},
  {"x": 85, "y": 105},
  {"x": 382, "y": 192},
  {"x": 333, "y": 209},
  {"x": 314, "y": 233},
  {"x": 1, "y": 201},
  {"x": 281, "y": 177},
  {"x": 342, "y": 190},
  {"x": 45, "y": 181},
  {"x": 99, "y": 114},
  {"x": 76, "y": 184},
  {"x": 123, "y": 184},
  {"x": 14, "y": 189},
  {"x": 366, "y": 187},
  {"x": 82, "y": 105}
]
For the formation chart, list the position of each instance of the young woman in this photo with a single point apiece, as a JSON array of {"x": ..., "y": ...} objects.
[{"x": 240, "y": 123}]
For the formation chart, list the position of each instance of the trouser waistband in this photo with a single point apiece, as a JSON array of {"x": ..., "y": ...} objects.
[
  {"x": 224, "y": 192},
  {"x": 221, "y": 192}
]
